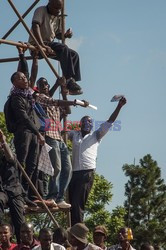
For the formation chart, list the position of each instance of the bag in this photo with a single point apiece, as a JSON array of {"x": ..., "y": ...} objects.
[
  {"x": 9, "y": 118},
  {"x": 43, "y": 118}
]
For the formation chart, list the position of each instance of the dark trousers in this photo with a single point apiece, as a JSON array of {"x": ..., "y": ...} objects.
[
  {"x": 79, "y": 189},
  {"x": 27, "y": 150},
  {"x": 16, "y": 207},
  {"x": 69, "y": 60}
]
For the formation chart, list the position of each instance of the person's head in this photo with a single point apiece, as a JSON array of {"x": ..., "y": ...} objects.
[
  {"x": 5, "y": 233},
  {"x": 19, "y": 80},
  {"x": 123, "y": 234},
  {"x": 60, "y": 237},
  {"x": 78, "y": 235},
  {"x": 43, "y": 86},
  {"x": 86, "y": 124},
  {"x": 146, "y": 246},
  {"x": 45, "y": 238},
  {"x": 54, "y": 7},
  {"x": 26, "y": 233},
  {"x": 99, "y": 235}
]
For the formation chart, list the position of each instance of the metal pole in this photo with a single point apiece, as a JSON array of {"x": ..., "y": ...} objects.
[
  {"x": 35, "y": 40},
  {"x": 17, "y": 23},
  {"x": 22, "y": 45},
  {"x": 65, "y": 98},
  {"x": 37, "y": 193},
  {"x": 14, "y": 59}
]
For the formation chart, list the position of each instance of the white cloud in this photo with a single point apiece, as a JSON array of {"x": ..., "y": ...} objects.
[{"x": 75, "y": 43}]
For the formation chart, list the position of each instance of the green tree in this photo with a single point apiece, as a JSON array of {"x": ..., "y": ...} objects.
[
  {"x": 146, "y": 202},
  {"x": 8, "y": 135},
  {"x": 96, "y": 212}
]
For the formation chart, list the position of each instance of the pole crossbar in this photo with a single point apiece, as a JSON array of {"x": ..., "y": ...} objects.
[
  {"x": 37, "y": 193},
  {"x": 18, "y": 22},
  {"x": 34, "y": 38}
]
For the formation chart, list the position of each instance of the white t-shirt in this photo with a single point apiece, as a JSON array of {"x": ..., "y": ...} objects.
[
  {"x": 84, "y": 149},
  {"x": 54, "y": 246}
]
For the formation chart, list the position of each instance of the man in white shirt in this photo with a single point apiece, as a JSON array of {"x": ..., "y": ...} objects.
[{"x": 84, "y": 153}]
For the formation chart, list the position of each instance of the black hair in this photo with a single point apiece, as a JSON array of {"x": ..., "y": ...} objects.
[
  {"x": 41, "y": 79},
  {"x": 44, "y": 230},
  {"x": 13, "y": 77}
]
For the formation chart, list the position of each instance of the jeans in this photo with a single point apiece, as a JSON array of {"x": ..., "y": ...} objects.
[{"x": 61, "y": 163}]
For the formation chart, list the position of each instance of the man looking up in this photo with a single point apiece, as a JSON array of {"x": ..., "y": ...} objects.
[
  {"x": 26, "y": 135},
  {"x": 84, "y": 153}
]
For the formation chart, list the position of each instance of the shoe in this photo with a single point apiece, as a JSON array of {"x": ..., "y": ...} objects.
[
  {"x": 29, "y": 202},
  {"x": 50, "y": 203},
  {"x": 73, "y": 87},
  {"x": 63, "y": 204}
]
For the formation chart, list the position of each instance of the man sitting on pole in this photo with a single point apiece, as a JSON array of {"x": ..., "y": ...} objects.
[{"x": 46, "y": 25}]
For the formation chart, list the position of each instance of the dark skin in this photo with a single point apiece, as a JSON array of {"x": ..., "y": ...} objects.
[
  {"x": 26, "y": 234},
  {"x": 86, "y": 121},
  {"x": 54, "y": 7},
  {"x": 99, "y": 239},
  {"x": 5, "y": 236},
  {"x": 122, "y": 236},
  {"x": 45, "y": 240},
  {"x": 44, "y": 89}
]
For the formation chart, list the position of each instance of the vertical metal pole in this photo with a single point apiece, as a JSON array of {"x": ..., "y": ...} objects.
[{"x": 65, "y": 118}]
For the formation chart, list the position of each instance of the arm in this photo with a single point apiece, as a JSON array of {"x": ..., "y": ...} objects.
[
  {"x": 106, "y": 126},
  {"x": 34, "y": 69},
  {"x": 23, "y": 65},
  {"x": 37, "y": 34},
  {"x": 114, "y": 115},
  {"x": 7, "y": 151}
]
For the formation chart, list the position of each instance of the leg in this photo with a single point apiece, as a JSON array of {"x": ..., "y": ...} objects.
[
  {"x": 16, "y": 206},
  {"x": 55, "y": 158},
  {"x": 66, "y": 171},
  {"x": 69, "y": 60},
  {"x": 79, "y": 189},
  {"x": 31, "y": 162}
]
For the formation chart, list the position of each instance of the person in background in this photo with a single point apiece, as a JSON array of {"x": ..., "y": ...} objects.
[
  {"x": 46, "y": 241},
  {"x": 11, "y": 191},
  {"x": 100, "y": 236},
  {"x": 5, "y": 238},
  {"x": 27, "y": 238},
  {"x": 124, "y": 241}
]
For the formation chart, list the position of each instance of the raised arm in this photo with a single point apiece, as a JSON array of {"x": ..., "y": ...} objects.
[{"x": 106, "y": 126}]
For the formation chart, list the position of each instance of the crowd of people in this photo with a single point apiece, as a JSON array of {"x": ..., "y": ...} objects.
[
  {"x": 31, "y": 141},
  {"x": 74, "y": 238}
]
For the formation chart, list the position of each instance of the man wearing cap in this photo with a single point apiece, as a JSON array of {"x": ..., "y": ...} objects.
[
  {"x": 84, "y": 153},
  {"x": 78, "y": 238},
  {"x": 100, "y": 236},
  {"x": 124, "y": 240}
]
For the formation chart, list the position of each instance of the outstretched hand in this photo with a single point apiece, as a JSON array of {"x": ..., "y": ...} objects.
[
  {"x": 122, "y": 102},
  {"x": 86, "y": 103},
  {"x": 68, "y": 33}
]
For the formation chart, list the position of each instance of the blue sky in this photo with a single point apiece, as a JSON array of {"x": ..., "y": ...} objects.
[{"x": 122, "y": 48}]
